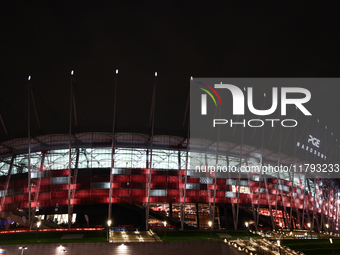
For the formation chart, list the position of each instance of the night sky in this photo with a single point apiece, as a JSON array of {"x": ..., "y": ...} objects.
[{"x": 177, "y": 39}]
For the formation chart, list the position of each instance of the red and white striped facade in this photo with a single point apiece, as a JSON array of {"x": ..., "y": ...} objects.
[{"x": 289, "y": 198}]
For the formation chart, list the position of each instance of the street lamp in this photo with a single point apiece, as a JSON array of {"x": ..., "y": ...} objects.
[
  {"x": 309, "y": 225},
  {"x": 279, "y": 244},
  {"x": 327, "y": 226},
  {"x": 331, "y": 241},
  {"x": 210, "y": 224},
  {"x": 23, "y": 249},
  {"x": 247, "y": 226},
  {"x": 36, "y": 236},
  {"x": 108, "y": 229},
  {"x": 164, "y": 230}
]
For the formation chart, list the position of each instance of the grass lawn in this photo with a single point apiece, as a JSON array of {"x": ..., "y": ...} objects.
[
  {"x": 242, "y": 234},
  {"x": 52, "y": 237},
  {"x": 313, "y": 247}
]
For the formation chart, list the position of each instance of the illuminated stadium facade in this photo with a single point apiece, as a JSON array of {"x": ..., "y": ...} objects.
[
  {"x": 176, "y": 188},
  {"x": 141, "y": 180}
]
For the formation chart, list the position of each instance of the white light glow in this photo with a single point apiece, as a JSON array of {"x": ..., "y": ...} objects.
[
  {"x": 191, "y": 78},
  {"x": 122, "y": 248},
  {"x": 156, "y": 74},
  {"x": 72, "y": 72},
  {"x": 116, "y": 71},
  {"x": 29, "y": 77}
]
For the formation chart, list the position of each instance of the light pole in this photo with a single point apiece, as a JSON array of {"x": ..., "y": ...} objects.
[
  {"x": 210, "y": 224},
  {"x": 279, "y": 244},
  {"x": 331, "y": 241},
  {"x": 327, "y": 226},
  {"x": 108, "y": 230},
  {"x": 247, "y": 226},
  {"x": 281, "y": 226},
  {"x": 309, "y": 226},
  {"x": 36, "y": 236},
  {"x": 23, "y": 249},
  {"x": 164, "y": 230}
]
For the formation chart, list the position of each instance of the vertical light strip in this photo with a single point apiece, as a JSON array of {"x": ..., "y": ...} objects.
[{"x": 204, "y": 104}]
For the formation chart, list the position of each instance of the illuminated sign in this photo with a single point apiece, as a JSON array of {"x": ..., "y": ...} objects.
[{"x": 314, "y": 141}]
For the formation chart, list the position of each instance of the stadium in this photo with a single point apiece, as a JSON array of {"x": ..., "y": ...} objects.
[{"x": 66, "y": 180}]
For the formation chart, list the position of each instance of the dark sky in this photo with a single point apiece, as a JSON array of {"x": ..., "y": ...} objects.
[{"x": 177, "y": 39}]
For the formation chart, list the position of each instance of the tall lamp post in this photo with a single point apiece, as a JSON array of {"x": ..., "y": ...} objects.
[
  {"x": 247, "y": 226},
  {"x": 108, "y": 230},
  {"x": 309, "y": 226},
  {"x": 210, "y": 224},
  {"x": 279, "y": 244},
  {"x": 331, "y": 241},
  {"x": 36, "y": 236}
]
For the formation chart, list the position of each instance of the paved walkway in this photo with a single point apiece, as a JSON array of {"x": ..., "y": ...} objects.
[{"x": 140, "y": 248}]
